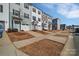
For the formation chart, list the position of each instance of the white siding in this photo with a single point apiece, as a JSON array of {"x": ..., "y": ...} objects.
[
  {"x": 39, "y": 25},
  {"x": 26, "y": 20},
  {"x": 4, "y": 16},
  {"x": 22, "y": 11},
  {"x": 58, "y": 25}
]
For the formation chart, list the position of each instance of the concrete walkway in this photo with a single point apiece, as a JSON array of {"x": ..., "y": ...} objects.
[
  {"x": 38, "y": 37},
  {"x": 71, "y": 47},
  {"x": 35, "y": 33},
  {"x": 6, "y": 47}
]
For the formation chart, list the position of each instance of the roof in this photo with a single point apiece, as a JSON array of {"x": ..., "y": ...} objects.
[{"x": 42, "y": 11}]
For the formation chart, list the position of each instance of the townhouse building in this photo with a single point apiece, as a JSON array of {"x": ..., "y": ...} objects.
[
  {"x": 4, "y": 15},
  {"x": 68, "y": 27},
  {"x": 47, "y": 21},
  {"x": 44, "y": 19},
  {"x": 20, "y": 16},
  {"x": 62, "y": 26},
  {"x": 75, "y": 28},
  {"x": 25, "y": 16},
  {"x": 36, "y": 18},
  {"x": 15, "y": 16},
  {"x": 56, "y": 24}
]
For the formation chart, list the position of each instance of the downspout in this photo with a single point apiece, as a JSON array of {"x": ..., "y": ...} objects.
[
  {"x": 9, "y": 15},
  {"x": 30, "y": 16},
  {"x": 20, "y": 25},
  {"x": 21, "y": 19}
]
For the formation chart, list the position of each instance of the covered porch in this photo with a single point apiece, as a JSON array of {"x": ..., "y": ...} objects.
[{"x": 16, "y": 23}]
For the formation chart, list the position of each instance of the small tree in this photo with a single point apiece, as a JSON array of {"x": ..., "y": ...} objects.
[{"x": 34, "y": 23}]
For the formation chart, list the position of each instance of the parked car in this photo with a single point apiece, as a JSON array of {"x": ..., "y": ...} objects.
[
  {"x": 1, "y": 31},
  {"x": 77, "y": 30}
]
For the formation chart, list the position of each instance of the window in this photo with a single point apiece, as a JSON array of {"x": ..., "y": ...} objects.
[
  {"x": 54, "y": 21},
  {"x": 34, "y": 10},
  {"x": 39, "y": 19},
  {"x": 34, "y": 18},
  {"x": 17, "y": 22},
  {"x": 23, "y": 24},
  {"x": 46, "y": 21},
  {"x": 26, "y": 15},
  {"x": 15, "y": 12},
  {"x": 26, "y": 5},
  {"x": 39, "y": 12},
  {"x": 27, "y": 24},
  {"x": 1, "y": 8},
  {"x": 18, "y": 3}
]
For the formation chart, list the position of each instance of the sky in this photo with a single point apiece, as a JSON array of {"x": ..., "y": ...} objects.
[{"x": 68, "y": 13}]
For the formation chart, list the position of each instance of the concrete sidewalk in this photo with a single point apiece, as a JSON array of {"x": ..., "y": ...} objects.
[
  {"x": 6, "y": 47},
  {"x": 70, "y": 49}
]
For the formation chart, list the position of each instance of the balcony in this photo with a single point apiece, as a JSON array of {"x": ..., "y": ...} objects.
[{"x": 17, "y": 18}]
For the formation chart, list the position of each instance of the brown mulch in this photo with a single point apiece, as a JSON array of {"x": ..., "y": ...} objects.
[
  {"x": 43, "y": 47},
  {"x": 41, "y": 32},
  {"x": 17, "y": 36}
]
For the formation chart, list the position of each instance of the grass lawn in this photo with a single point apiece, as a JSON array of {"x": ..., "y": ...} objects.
[{"x": 43, "y": 47}]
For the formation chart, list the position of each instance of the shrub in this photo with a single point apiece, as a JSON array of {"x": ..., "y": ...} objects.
[
  {"x": 22, "y": 30},
  {"x": 15, "y": 30},
  {"x": 9, "y": 30}
]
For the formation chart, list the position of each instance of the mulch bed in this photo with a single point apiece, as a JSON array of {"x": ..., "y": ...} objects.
[
  {"x": 43, "y": 47},
  {"x": 17, "y": 36},
  {"x": 41, "y": 32}
]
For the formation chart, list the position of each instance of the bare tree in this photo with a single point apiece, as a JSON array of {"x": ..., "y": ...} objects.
[{"x": 34, "y": 23}]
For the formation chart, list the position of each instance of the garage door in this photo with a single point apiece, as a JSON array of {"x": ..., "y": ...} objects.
[
  {"x": 16, "y": 25},
  {"x": 25, "y": 27}
]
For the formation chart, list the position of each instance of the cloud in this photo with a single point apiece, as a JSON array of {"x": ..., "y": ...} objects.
[
  {"x": 48, "y": 5},
  {"x": 68, "y": 10}
]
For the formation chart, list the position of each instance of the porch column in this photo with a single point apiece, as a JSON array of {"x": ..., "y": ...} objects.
[
  {"x": 20, "y": 25},
  {"x": 12, "y": 23}
]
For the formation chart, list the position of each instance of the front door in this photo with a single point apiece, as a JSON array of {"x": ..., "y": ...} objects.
[
  {"x": 23, "y": 27},
  {"x": 16, "y": 25}
]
